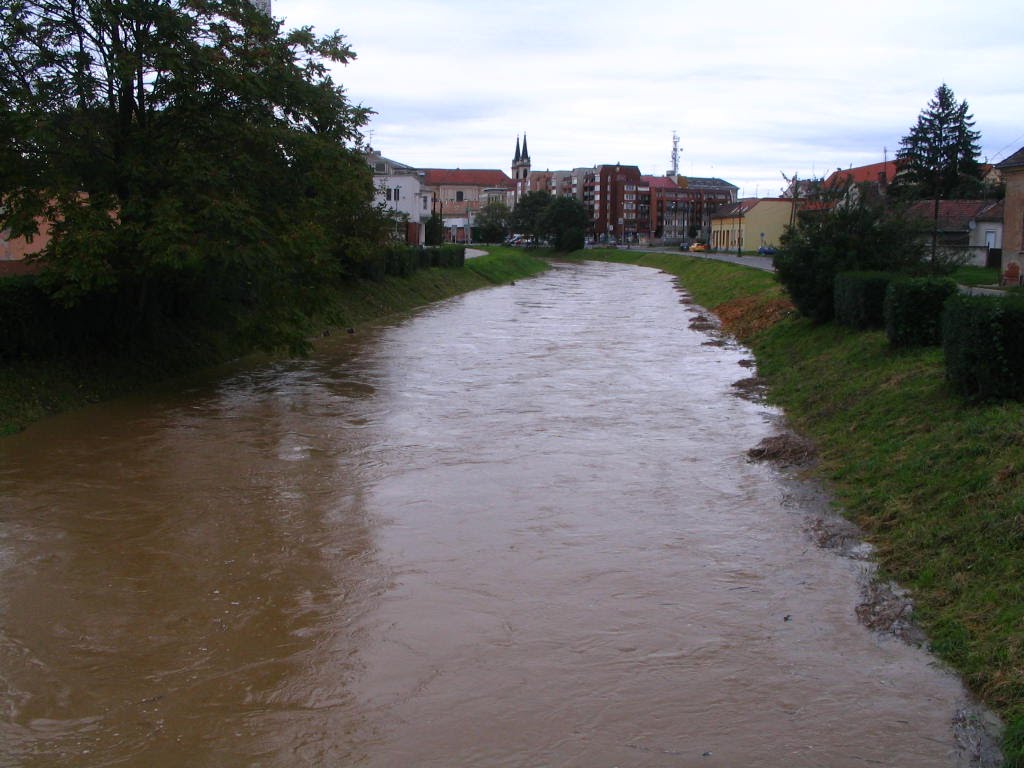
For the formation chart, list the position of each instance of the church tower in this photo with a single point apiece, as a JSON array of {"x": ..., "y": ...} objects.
[{"x": 520, "y": 171}]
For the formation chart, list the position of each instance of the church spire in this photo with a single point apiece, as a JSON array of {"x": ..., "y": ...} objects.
[
  {"x": 518, "y": 157},
  {"x": 526, "y": 154}
]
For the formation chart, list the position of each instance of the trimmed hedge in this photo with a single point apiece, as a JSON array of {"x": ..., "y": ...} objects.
[
  {"x": 403, "y": 260},
  {"x": 984, "y": 346},
  {"x": 859, "y": 298},
  {"x": 913, "y": 310}
]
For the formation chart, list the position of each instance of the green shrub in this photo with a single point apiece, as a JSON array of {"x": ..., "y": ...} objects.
[
  {"x": 913, "y": 310},
  {"x": 571, "y": 239},
  {"x": 859, "y": 298},
  {"x": 401, "y": 260},
  {"x": 984, "y": 346},
  {"x": 850, "y": 238},
  {"x": 451, "y": 256}
]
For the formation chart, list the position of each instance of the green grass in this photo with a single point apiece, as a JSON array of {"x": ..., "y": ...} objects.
[
  {"x": 33, "y": 389},
  {"x": 937, "y": 485},
  {"x": 503, "y": 264},
  {"x": 710, "y": 282},
  {"x": 970, "y": 275}
]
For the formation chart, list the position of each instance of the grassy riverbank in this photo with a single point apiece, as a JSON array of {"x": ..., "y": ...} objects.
[
  {"x": 33, "y": 389},
  {"x": 937, "y": 485}
]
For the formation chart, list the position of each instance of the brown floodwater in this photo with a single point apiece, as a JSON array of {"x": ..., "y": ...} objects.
[{"x": 516, "y": 529}]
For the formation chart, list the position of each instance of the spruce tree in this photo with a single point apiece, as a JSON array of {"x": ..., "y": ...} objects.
[{"x": 939, "y": 157}]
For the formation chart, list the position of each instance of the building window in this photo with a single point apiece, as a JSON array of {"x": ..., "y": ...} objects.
[
  {"x": 388, "y": 193},
  {"x": 459, "y": 196},
  {"x": 397, "y": 190}
]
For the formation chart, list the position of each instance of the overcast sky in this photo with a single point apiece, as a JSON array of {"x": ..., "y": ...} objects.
[{"x": 753, "y": 89}]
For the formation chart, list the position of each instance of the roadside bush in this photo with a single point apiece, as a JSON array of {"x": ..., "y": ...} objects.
[
  {"x": 983, "y": 346},
  {"x": 859, "y": 298},
  {"x": 400, "y": 260},
  {"x": 913, "y": 310},
  {"x": 450, "y": 256},
  {"x": 851, "y": 238}
]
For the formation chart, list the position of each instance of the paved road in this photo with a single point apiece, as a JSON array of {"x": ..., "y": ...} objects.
[{"x": 757, "y": 262}]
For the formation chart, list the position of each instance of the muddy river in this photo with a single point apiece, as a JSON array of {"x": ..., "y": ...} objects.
[{"x": 517, "y": 529}]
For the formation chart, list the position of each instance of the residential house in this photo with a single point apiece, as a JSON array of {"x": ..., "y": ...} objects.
[
  {"x": 459, "y": 194},
  {"x": 751, "y": 223},
  {"x": 399, "y": 188},
  {"x": 863, "y": 182},
  {"x": 1012, "y": 173},
  {"x": 876, "y": 175},
  {"x": 971, "y": 227}
]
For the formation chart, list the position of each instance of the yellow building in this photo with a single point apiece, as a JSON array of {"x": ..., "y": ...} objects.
[{"x": 751, "y": 223}]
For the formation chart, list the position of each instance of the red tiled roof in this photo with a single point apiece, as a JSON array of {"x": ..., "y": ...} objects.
[
  {"x": 862, "y": 174},
  {"x": 660, "y": 182},
  {"x": 994, "y": 212},
  {"x": 469, "y": 178},
  {"x": 954, "y": 215}
]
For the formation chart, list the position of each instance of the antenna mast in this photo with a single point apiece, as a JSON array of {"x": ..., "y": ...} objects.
[{"x": 675, "y": 155}]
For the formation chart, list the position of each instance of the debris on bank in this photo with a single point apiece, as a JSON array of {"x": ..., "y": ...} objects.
[{"x": 786, "y": 450}]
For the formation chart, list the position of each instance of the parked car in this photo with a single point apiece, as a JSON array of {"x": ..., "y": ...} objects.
[
  {"x": 766, "y": 250},
  {"x": 698, "y": 247}
]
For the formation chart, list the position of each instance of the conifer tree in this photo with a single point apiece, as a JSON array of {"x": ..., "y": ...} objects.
[{"x": 939, "y": 157}]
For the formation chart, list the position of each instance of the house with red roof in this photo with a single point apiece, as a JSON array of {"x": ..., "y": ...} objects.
[
  {"x": 880, "y": 174},
  {"x": 458, "y": 195},
  {"x": 970, "y": 227}
]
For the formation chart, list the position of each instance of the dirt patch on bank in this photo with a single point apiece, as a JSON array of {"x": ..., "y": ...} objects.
[{"x": 749, "y": 315}]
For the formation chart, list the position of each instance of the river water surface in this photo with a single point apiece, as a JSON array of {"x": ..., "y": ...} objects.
[{"x": 516, "y": 529}]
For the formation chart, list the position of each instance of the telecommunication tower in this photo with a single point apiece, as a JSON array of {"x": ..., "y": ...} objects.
[{"x": 675, "y": 155}]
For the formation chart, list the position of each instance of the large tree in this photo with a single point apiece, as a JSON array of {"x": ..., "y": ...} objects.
[
  {"x": 527, "y": 216},
  {"x": 492, "y": 222},
  {"x": 939, "y": 156},
  {"x": 564, "y": 222},
  {"x": 179, "y": 146}
]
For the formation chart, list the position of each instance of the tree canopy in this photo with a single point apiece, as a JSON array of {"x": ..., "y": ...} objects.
[
  {"x": 856, "y": 236},
  {"x": 179, "y": 146},
  {"x": 527, "y": 216},
  {"x": 492, "y": 222},
  {"x": 939, "y": 156}
]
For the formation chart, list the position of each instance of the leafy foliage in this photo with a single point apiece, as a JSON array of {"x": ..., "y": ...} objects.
[
  {"x": 493, "y": 222},
  {"x": 433, "y": 233},
  {"x": 984, "y": 350},
  {"x": 528, "y": 215},
  {"x": 859, "y": 298},
  {"x": 939, "y": 157},
  {"x": 913, "y": 310},
  {"x": 186, "y": 152},
  {"x": 853, "y": 237},
  {"x": 564, "y": 222}
]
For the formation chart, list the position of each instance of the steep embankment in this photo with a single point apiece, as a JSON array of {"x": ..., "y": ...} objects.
[
  {"x": 936, "y": 484},
  {"x": 33, "y": 389}
]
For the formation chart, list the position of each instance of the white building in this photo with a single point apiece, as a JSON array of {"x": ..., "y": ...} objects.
[{"x": 400, "y": 189}]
